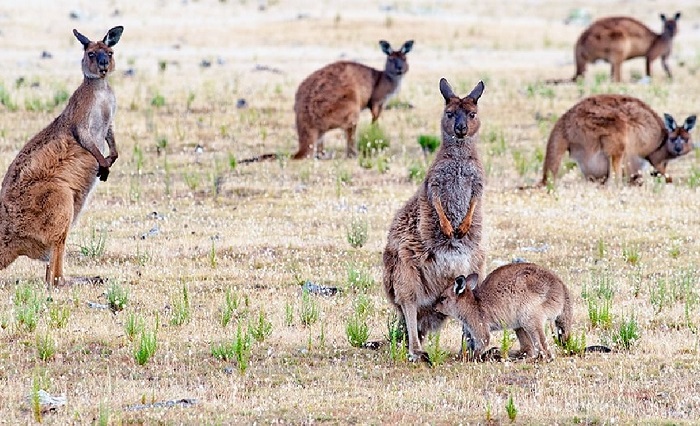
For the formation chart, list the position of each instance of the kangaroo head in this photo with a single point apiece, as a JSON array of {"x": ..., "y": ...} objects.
[
  {"x": 460, "y": 119},
  {"x": 448, "y": 302},
  {"x": 97, "y": 59},
  {"x": 678, "y": 142},
  {"x": 396, "y": 64},
  {"x": 670, "y": 24}
]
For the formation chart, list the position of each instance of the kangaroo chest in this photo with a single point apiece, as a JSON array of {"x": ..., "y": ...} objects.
[
  {"x": 101, "y": 115},
  {"x": 455, "y": 185}
]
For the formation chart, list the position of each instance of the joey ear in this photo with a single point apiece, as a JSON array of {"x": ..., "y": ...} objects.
[
  {"x": 460, "y": 285},
  {"x": 669, "y": 122},
  {"x": 81, "y": 38},
  {"x": 112, "y": 37},
  {"x": 689, "y": 123},
  {"x": 472, "y": 281},
  {"x": 477, "y": 91},
  {"x": 446, "y": 90},
  {"x": 678, "y": 15},
  {"x": 407, "y": 47},
  {"x": 386, "y": 47}
]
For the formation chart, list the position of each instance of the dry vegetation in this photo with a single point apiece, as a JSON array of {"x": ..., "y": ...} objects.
[{"x": 258, "y": 231}]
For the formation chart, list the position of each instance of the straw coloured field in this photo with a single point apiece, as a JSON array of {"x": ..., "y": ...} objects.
[{"x": 202, "y": 259}]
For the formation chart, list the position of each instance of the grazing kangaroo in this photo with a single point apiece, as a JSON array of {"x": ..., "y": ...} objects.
[
  {"x": 436, "y": 235},
  {"x": 48, "y": 183},
  {"x": 615, "y": 133},
  {"x": 617, "y": 39},
  {"x": 519, "y": 296},
  {"x": 333, "y": 97}
]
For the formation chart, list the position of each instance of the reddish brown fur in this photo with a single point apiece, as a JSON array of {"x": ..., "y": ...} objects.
[
  {"x": 617, "y": 39},
  {"x": 519, "y": 296},
  {"x": 48, "y": 183},
  {"x": 333, "y": 97},
  {"x": 618, "y": 133},
  {"x": 436, "y": 235}
]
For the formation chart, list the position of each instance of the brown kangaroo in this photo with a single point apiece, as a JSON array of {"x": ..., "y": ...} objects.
[
  {"x": 333, "y": 97},
  {"x": 615, "y": 133},
  {"x": 617, "y": 39},
  {"x": 48, "y": 183},
  {"x": 519, "y": 296},
  {"x": 436, "y": 235}
]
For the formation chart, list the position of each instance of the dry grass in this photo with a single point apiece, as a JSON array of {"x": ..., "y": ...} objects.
[{"x": 262, "y": 229}]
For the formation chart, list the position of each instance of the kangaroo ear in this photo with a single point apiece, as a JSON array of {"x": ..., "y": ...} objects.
[
  {"x": 669, "y": 122},
  {"x": 477, "y": 91},
  {"x": 81, "y": 38},
  {"x": 446, "y": 90},
  {"x": 663, "y": 17},
  {"x": 678, "y": 15},
  {"x": 407, "y": 47},
  {"x": 689, "y": 123},
  {"x": 460, "y": 285},
  {"x": 112, "y": 37},
  {"x": 472, "y": 280},
  {"x": 386, "y": 47}
]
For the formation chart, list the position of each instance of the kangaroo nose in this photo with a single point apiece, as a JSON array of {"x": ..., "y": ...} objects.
[{"x": 460, "y": 128}]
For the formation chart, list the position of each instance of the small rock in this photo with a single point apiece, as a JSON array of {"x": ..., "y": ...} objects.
[
  {"x": 46, "y": 55},
  {"x": 319, "y": 289},
  {"x": 46, "y": 401},
  {"x": 241, "y": 103}
]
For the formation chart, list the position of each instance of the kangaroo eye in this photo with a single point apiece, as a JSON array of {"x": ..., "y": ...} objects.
[
  {"x": 110, "y": 54},
  {"x": 449, "y": 114},
  {"x": 472, "y": 115},
  {"x": 91, "y": 54}
]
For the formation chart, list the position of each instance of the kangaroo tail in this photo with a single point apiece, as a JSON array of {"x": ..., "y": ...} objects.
[
  {"x": 259, "y": 158},
  {"x": 565, "y": 319}
]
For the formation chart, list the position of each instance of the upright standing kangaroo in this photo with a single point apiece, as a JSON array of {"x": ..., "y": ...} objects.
[
  {"x": 333, "y": 97},
  {"x": 617, "y": 39},
  {"x": 48, "y": 183},
  {"x": 436, "y": 235}
]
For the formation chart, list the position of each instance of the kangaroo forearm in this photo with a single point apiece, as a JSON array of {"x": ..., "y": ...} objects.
[
  {"x": 113, "y": 154},
  {"x": 445, "y": 225},
  {"x": 467, "y": 222}
]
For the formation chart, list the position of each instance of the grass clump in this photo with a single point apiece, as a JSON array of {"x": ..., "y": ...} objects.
[
  {"x": 117, "y": 297},
  {"x": 239, "y": 349},
  {"x": 94, "y": 246},
  {"x": 359, "y": 278},
  {"x": 436, "y": 354},
  {"x": 428, "y": 143},
  {"x": 28, "y": 303},
  {"x": 310, "y": 312},
  {"x": 357, "y": 329},
  {"x": 372, "y": 141},
  {"x": 511, "y": 409},
  {"x": 181, "y": 308},
  {"x": 146, "y": 347},
  {"x": 133, "y": 326},
  {"x": 358, "y": 232},
  {"x": 627, "y": 333},
  {"x": 58, "y": 316},
  {"x": 261, "y": 328},
  {"x": 45, "y": 346}
]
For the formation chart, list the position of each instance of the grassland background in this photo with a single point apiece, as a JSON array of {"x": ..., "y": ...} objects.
[{"x": 261, "y": 229}]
